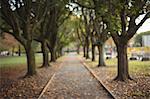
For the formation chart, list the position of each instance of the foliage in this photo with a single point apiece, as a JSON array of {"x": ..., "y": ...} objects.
[
  {"x": 7, "y": 42},
  {"x": 66, "y": 32}
]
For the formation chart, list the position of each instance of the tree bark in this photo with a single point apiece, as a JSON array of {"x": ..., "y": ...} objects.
[
  {"x": 56, "y": 55},
  {"x": 61, "y": 51},
  {"x": 45, "y": 54},
  {"x": 87, "y": 48},
  {"x": 19, "y": 50},
  {"x": 78, "y": 49},
  {"x": 31, "y": 67},
  {"x": 84, "y": 51},
  {"x": 101, "y": 61},
  {"x": 13, "y": 51},
  {"x": 123, "y": 73},
  {"x": 53, "y": 55},
  {"x": 93, "y": 52}
]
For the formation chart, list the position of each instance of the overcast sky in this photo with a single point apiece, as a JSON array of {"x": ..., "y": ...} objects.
[{"x": 145, "y": 27}]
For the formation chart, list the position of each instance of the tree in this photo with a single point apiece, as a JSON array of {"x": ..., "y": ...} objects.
[
  {"x": 41, "y": 34},
  {"x": 101, "y": 29},
  {"x": 20, "y": 20},
  {"x": 8, "y": 42},
  {"x": 93, "y": 41},
  {"x": 56, "y": 15},
  {"x": 120, "y": 17},
  {"x": 95, "y": 28},
  {"x": 80, "y": 25},
  {"x": 101, "y": 36},
  {"x": 65, "y": 35},
  {"x": 81, "y": 35},
  {"x": 126, "y": 13},
  {"x": 87, "y": 24},
  {"x": 92, "y": 32}
]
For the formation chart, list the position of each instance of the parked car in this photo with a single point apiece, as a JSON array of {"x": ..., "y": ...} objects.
[{"x": 108, "y": 55}]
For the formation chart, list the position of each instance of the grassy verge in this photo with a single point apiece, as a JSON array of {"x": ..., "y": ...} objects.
[
  {"x": 134, "y": 65},
  {"x": 141, "y": 67},
  {"x": 13, "y": 61}
]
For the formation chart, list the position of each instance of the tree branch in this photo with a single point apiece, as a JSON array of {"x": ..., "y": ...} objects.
[
  {"x": 143, "y": 20},
  {"x": 133, "y": 27}
]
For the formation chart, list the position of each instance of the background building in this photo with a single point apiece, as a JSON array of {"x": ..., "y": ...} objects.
[{"x": 146, "y": 40}]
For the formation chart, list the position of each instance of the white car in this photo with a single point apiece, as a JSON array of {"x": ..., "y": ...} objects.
[{"x": 108, "y": 55}]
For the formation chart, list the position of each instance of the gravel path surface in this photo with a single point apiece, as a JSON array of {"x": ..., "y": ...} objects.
[{"x": 74, "y": 81}]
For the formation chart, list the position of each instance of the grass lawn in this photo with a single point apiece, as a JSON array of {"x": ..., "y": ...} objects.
[
  {"x": 12, "y": 61},
  {"x": 134, "y": 65},
  {"x": 141, "y": 67}
]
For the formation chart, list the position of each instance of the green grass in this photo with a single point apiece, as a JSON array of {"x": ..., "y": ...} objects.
[
  {"x": 134, "y": 65},
  {"x": 139, "y": 66},
  {"x": 111, "y": 62},
  {"x": 10, "y": 61}
]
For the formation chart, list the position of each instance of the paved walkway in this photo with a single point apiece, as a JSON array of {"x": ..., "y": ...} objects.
[{"x": 73, "y": 81}]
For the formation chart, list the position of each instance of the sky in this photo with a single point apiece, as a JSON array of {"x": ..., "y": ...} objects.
[{"x": 145, "y": 27}]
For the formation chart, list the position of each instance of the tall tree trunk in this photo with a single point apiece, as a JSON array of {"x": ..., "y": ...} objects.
[
  {"x": 101, "y": 61},
  {"x": 123, "y": 73},
  {"x": 13, "y": 51},
  {"x": 53, "y": 55},
  {"x": 84, "y": 49},
  {"x": 93, "y": 52},
  {"x": 31, "y": 67},
  {"x": 57, "y": 54},
  {"x": 19, "y": 50},
  {"x": 78, "y": 49},
  {"x": 45, "y": 54},
  {"x": 87, "y": 48},
  {"x": 60, "y": 51}
]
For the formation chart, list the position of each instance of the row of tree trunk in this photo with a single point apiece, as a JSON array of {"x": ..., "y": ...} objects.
[{"x": 102, "y": 35}]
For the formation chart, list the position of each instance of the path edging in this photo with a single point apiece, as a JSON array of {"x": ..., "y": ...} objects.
[
  {"x": 97, "y": 78},
  {"x": 48, "y": 83}
]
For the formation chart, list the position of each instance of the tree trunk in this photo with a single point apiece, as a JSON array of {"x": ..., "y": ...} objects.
[
  {"x": 87, "y": 48},
  {"x": 57, "y": 54},
  {"x": 61, "y": 52},
  {"x": 123, "y": 73},
  {"x": 45, "y": 54},
  {"x": 13, "y": 51},
  {"x": 31, "y": 67},
  {"x": 53, "y": 55},
  {"x": 78, "y": 49},
  {"x": 93, "y": 52},
  {"x": 101, "y": 61},
  {"x": 19, "y": 50},
  {"x": 84, "y": 51}
]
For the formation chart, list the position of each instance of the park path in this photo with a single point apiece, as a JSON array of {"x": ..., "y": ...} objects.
[{"x": 74, "y": 81}]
